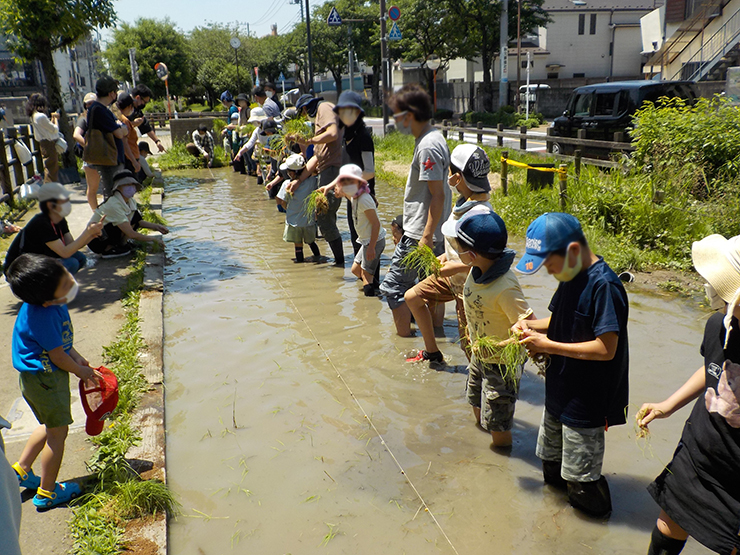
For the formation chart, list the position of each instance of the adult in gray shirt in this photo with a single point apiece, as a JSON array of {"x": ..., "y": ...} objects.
[
  {"x": 427, "y": 199},
  {"x": 268, "y": 104}
]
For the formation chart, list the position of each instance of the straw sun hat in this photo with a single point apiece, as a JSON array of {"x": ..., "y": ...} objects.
[{"x": 718, "y": 261}]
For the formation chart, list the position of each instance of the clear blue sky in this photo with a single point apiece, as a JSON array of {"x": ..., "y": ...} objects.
[{"x": 186, "y": 14}]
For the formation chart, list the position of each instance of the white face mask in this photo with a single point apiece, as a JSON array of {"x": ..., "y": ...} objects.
[
  {"x": 65, "y": 209},
  {"x": 72, "y": 293},
  {"x": 269, "y": 94},
  {"x": 569, "y": 272},
  {"x": 350, "y": 190},
  {"x": 402, "y": 127},
  {"x": 715, "y": 301}
]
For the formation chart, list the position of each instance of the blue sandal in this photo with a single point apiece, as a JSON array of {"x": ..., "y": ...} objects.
[
  {"x": 26, "y": 479},
  {"x": 64, "y": 492}
]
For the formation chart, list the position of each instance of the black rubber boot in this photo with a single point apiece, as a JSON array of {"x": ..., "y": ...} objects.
[
  {"x": 369, "y": 290},
  {"x": 315, "y": 250},
  {"x": 661, "y": 544},
  {"x": 298, "y": 255},
  {"x": 336, "y": 249},
  {"x": 593, "y": 498},
  {"x": 376, "y": 278},
  {"x": 551, "y": 473}
]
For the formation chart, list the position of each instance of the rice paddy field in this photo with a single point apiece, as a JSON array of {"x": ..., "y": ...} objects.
[{"x": 295, "y": 426}]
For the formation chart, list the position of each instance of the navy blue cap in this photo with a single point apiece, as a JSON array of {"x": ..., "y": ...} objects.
[
  {"x": 550, "y": 232},
  {"x": 303, "y": 101},
  {"x": 226, "y": 96},
  {"x": 349, "y": 99},
  {"x": 484, "y": 231}
]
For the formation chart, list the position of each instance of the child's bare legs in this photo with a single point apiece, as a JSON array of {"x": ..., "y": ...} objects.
[
  {"x": 93, "y": 182},
  {"x": 669, "y": 528},
  {"x": 424, "y": 321},
  {"x": 501, "y": 439},
  {"x": 402, "y": 320},
  {"x": 49, "y": 442},
  {"x": 357, "y": 271},
  {"x": 438, "y": 314},
  {"x": 668, "y": 538}
]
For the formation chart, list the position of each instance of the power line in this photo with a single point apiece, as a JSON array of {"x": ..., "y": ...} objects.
[{"x": 271, "y": 11}]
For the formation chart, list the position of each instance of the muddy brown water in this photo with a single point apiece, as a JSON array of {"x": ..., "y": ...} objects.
[{"x": 270, "y": 454}]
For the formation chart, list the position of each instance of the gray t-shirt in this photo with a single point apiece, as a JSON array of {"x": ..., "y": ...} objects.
[
  {"x": 431, "y": 163},
  {"x": 295, "y": 212}
]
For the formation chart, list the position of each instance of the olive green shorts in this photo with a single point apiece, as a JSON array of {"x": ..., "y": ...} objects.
[{"x": 48, "y": 395}]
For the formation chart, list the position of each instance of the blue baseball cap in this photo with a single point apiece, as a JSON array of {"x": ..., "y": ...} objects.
[
  {"x": 550, "y": 232},
  {"x": 480, "y": 228}
]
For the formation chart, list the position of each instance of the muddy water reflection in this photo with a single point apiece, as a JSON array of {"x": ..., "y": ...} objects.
[{"x": 269, "y": 453}]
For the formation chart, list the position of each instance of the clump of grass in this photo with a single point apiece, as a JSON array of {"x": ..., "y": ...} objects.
[
  {"x": 422, "y": 260},
  {"x": 141, "y": 498},
  {"x": 178, "y": 158},
  {"x": 246, "y": 130},
  {"x": 93, "y": 530},
  {"x": 316, "y": 203},
  {"x": 641, "y": 432},
  {"x": 507, "y": 353}
]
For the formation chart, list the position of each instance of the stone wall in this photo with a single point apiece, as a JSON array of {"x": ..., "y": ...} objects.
[{"x": 182, "y": 129}]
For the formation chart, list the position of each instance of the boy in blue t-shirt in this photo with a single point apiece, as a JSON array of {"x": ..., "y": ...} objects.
[
  {"x": 44, "y": 355},
  {"x": 586, "y": 386}
]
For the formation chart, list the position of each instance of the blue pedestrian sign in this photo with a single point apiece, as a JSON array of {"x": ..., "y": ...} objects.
[
  {"x": 334, "y": 20},
  {"x": 395, "y": 33},
  {"x": 282, "y": 77}
]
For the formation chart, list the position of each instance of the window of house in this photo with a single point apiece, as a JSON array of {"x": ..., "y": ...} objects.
[
  {"x": 605, "y": 104},
  {"x": 524, "y": 64},
  {"x": 552, "y": 75},
  {"x": 592, "y": 28},
  {"x": 579, "y": 75},
  {"x": 82, "y": 82},
  {"x": 583, "y": 105},
  {"x": 581, "y": 23}
]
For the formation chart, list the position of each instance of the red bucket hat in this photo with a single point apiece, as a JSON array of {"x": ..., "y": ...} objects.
[{"x": 99, "y": 401}]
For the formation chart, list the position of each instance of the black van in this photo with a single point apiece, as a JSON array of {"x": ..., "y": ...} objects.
[{"x": 607, "y": 108}]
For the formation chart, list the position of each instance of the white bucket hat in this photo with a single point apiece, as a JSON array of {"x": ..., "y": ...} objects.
[
  {"x": 351, "y": 171},
  {"x": 294, "y": 162},
  {"x": 718, "y": 261},
  {"x": 257, "y": 115}
]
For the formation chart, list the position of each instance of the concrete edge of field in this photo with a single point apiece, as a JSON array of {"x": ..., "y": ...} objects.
[{"x": 150, "y": 536}]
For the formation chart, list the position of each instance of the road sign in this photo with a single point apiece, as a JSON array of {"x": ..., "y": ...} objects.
[
  {"x": 161, "y": 71},
  {"x": 282, "y": 77},
  {"x": 235, "y": 43},
  {"x": 394, "y": 13},
  {"x": 395, "y": 33},
  {"x": 334, "y": 20}
]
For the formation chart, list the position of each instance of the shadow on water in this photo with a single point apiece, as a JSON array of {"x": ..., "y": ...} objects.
[{"x": 196, "y": 265}]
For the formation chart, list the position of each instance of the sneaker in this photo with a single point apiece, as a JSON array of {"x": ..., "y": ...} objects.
[
  {"x": 26, "y": 479},
  {"x": 421, "y": 356},
  {"x": 116, "y": 252},
  {"x": 64, "y": 492}
]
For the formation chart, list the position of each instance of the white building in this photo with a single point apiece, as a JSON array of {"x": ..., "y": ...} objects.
[
  {"x": 586, "y": 40},
  {"x": 692, "y": 39}
]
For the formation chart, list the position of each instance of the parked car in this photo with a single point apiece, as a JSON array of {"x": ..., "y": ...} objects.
[
  {"x": 607, "y": 108},
  {"x": 531, "y": 95}
]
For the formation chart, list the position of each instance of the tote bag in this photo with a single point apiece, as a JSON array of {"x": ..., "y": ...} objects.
[{"x": 100, "y": 148}]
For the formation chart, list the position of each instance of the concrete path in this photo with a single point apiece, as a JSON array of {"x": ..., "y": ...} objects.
[{"x": 96, "y": 316}]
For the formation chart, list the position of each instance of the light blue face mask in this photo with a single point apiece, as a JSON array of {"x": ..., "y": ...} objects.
[
  {"x": 128, "y": 191},
  {"x": 402, "y": 128}
]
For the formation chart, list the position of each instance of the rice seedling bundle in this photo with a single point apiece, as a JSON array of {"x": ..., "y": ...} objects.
[
  {"x": 423, "y": 260},
  {"x": 246, "y": 130},
  {"x": 507, "y": 353},
  {"x": 295, "y": 130},
  {"x": 316, "y": 203}
]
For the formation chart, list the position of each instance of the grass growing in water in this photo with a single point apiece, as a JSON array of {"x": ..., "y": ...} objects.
[
  {"x": 316, "y": 203},
  {"x": 423, "y": 260},
  {"x": 178, "y": 158}
]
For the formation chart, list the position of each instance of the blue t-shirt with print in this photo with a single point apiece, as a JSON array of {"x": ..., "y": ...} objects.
[
  {"x": 37, "y": 331},
  {"x": 589, "y": 393}
]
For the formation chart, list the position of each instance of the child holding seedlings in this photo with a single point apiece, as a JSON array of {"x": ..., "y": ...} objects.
[
  {"x": 370, "y": 234},
  {"x": 493, "y": 303},
  {"x": 300, "y": 225},
  {"x": 586, "y": 386},
  {"x": 469, "y": 167},
  {"x": 427, "y": 200},
  {"x": 44, "y": 355},
  {"x": 699, "y": 490}
]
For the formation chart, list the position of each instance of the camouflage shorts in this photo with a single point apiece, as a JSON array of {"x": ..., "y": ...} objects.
[
  {"x": 494, "y": 396},
  {"x": 581, "y": 450}
]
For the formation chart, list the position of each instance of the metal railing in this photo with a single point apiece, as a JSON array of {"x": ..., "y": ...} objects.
[{"x": 712, "y": 49}]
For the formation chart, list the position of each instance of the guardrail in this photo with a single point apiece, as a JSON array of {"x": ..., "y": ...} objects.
[
  {"x": 11, "y": 181},
  {"x": 162, "y": 118},
  {"x": 617, "y": 145}
]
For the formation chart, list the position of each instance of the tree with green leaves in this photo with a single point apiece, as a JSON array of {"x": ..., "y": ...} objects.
[
  {"x": 155, "y": 41},
  {"x": 37, "y": 28},
  {"x": 272, "y": 54},
  {"x": 214, "y": 60}
]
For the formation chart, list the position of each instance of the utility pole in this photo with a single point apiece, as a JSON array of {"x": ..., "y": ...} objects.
[
  {"x": 132, "y": 61},
  {"x": 384, "y": 66},
  {"x": 503, "y": 86},
  {"x": 308, "y": 41},
  {"x": 518, "y": 51}
]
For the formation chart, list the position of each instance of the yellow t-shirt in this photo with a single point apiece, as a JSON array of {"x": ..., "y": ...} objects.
[{"x": 492, "y": 308}]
